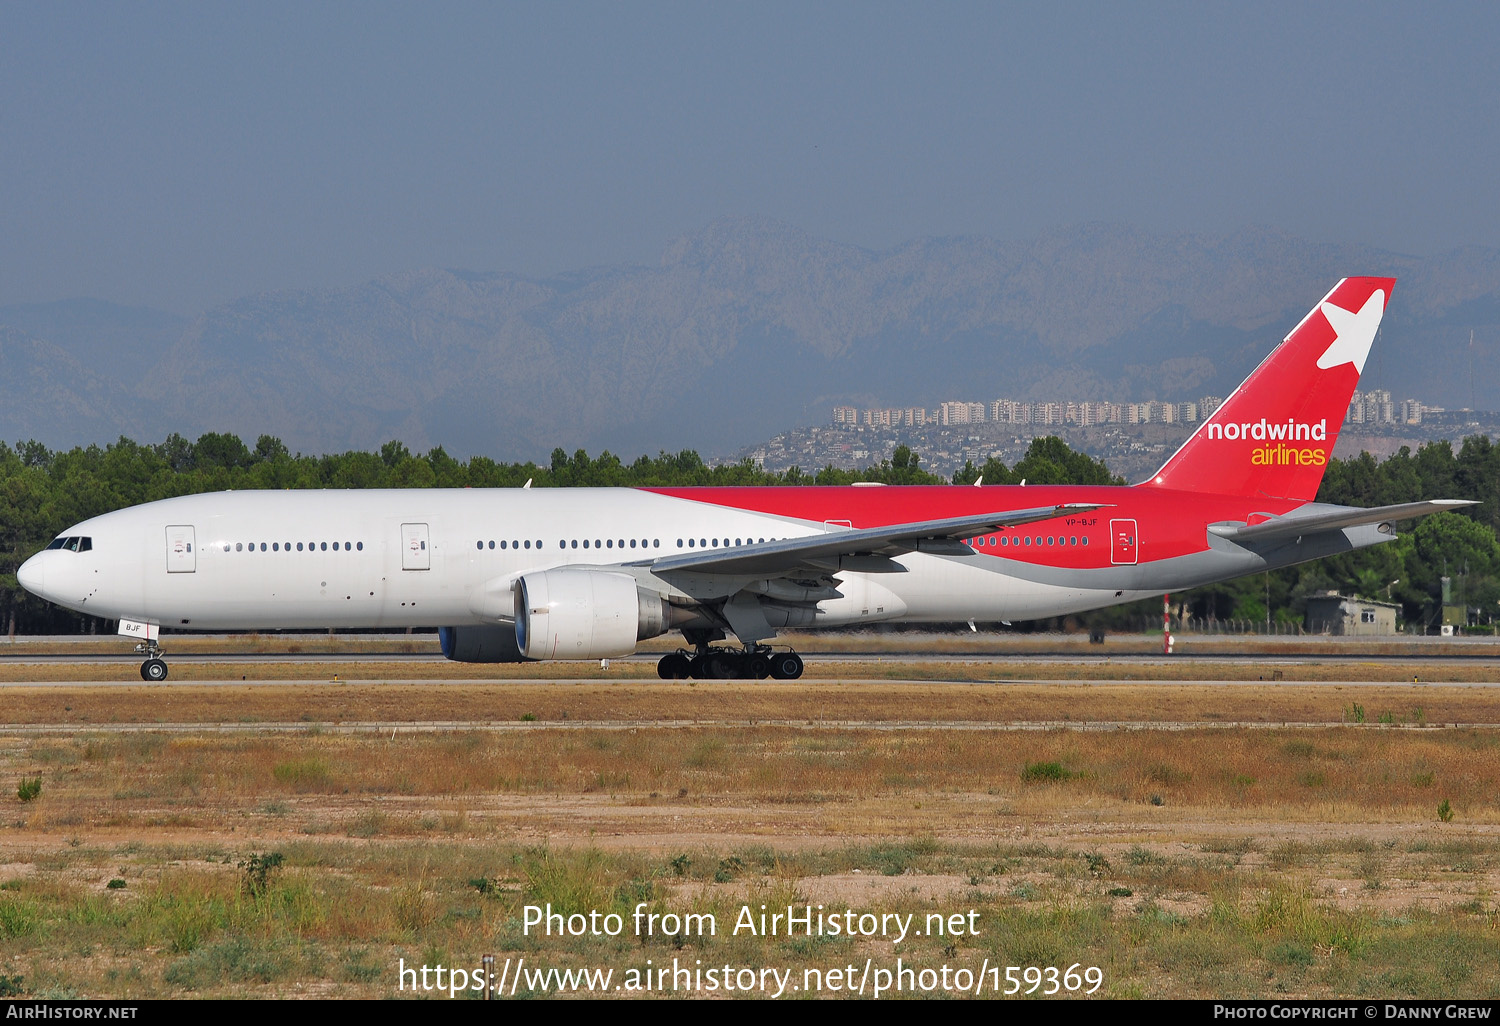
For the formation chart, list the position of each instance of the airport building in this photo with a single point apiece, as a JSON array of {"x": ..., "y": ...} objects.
[{"x": 1343, "y": 616}]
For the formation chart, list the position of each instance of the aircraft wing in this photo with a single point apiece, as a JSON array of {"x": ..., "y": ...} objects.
[
  {"x": 866, "y": 549},
  {"x": 1335, "y": 520}
]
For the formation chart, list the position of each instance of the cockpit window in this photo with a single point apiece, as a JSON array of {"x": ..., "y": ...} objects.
[{"x": 73, "y": 543}]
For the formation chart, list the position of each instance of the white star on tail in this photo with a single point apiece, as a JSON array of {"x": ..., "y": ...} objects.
[{"x": 1354, "y": 332}]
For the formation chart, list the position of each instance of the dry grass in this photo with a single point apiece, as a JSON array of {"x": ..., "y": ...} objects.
[
  {"x": 1199, "y": 862},
  {"x": 425, "y": 847},
  {"x": 206, "y": 781},
  {"x": 816, "y": 700}
]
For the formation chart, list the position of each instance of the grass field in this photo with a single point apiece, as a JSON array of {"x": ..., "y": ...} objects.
[
  {"x": 816, "y": 701},
  {"x": 1356, "y": 860}
]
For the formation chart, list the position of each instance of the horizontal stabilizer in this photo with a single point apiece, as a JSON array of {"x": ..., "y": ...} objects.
[{"x": 1335, "y": 520}]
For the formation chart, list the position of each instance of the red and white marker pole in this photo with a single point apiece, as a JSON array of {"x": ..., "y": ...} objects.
[{"x": 1166, "y": 625}]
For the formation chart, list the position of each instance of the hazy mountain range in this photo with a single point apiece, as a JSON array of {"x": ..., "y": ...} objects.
[{"x": 742, "y": 330}]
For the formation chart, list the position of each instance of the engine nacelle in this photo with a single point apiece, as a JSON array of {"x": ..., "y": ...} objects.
[
  {"x": 585, "y": 614},
  {"x": 486, "y": 643}
]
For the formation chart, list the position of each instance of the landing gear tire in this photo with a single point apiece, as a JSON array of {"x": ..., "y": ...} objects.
[
  {"x": 673, "y": 666},
  {"x": 755, "y": 663},
  {"x": 786, "y": 666},
  {"x": 154, "y": 669}
]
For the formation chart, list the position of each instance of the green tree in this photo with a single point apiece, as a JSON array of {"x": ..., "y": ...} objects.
[
  {"x": 1049, "y": 460},
  {"x": 1451, "y": 545},
  {"x": 268, "y": 447},
  {"x": 393, "y": 452},
  {"x": 220, "y": 450}
]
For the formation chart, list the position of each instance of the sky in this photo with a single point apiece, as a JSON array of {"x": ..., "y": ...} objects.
[{"x": 181, "y": 155}]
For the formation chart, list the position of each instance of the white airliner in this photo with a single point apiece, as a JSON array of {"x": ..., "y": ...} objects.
[{"x": 557, "y": 573}]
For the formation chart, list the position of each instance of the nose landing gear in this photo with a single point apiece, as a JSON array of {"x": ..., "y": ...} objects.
[{"x": 155, "y": 667}]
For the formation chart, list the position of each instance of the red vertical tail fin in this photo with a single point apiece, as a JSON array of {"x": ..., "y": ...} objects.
[{"x": 1274, "y": 435}]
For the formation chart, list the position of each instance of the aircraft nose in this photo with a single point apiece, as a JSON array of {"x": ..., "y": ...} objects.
[{"x": 33, "y": 575}]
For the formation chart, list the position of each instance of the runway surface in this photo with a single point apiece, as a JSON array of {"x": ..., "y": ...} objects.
[
  {"x": 999, "y": 655},
  {"x": 653, "y": 680}
]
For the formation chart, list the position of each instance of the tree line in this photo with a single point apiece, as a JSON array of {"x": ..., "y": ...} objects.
[{"x": 43, "y": 491}]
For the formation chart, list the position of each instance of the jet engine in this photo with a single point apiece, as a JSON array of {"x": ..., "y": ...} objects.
[
  {"x": 585, "y": 614},
  {"x": 483, "y": 643}
]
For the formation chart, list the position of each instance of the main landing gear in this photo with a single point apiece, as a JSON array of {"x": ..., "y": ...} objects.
[
  {"x": 155, "y": 667},
  {"x": 755, "y": 662}
]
